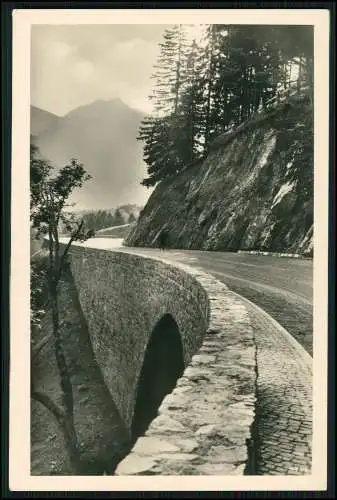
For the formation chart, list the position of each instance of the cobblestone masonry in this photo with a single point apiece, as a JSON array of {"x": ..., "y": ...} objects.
[
  {"x": 284, "y": 399},
  {"x": 204, "y": 426}
]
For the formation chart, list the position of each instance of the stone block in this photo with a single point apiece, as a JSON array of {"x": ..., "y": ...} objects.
[
  {"x": 134, "y": 464},
  {"x": 187, "y": 445},
  {"x": 166, "y": 424},
  {"x": 179, "y": 457},
  {"x": 152, "y": 445}
]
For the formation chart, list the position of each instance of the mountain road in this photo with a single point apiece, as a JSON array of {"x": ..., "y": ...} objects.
[
  {"x": 278, "y": 295},
  {"x": 281, "y": 286}
]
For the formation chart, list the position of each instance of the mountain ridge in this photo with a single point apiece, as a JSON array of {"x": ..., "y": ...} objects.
[
  {"x": 41, "y": 120},
  {"x": 103, "y": 136}
]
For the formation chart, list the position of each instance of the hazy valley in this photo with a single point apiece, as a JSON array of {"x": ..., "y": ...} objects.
[{"x": 102, "y": 135}]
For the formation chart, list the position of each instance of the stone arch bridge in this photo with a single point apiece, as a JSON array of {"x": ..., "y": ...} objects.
[{"x": 179, "y": 355}]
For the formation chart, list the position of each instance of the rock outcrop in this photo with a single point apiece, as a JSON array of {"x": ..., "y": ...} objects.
[{"x": 254, "y": 190}]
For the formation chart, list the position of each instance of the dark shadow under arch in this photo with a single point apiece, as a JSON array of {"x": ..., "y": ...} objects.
[{"x": 163, "y": 365}]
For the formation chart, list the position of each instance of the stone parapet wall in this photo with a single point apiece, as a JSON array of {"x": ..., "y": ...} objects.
[
  {"x": 206, "y": 425},
  {"x": 123, "y": 297},
  {"x": 275, "y": 254}
]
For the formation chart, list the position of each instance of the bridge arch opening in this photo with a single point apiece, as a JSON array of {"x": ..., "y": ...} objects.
[{"x": 163, "y": 365}]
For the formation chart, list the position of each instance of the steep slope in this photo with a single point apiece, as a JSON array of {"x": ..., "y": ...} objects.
[
  {"x": 253, "y": 191},
  {"x": 102, "y": 135}
]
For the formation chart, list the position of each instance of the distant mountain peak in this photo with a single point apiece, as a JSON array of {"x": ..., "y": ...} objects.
[
  {"x": 41, "y": 120},
  {"x": 104, "y": 106},
  {"x": 103, "y": 136},
  {"x": 37, "y": 109},
  {"x": 115, "y": 100}
]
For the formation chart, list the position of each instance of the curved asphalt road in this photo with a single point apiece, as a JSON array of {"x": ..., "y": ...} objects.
[
  {"x": 278, "y": 295},
  {"x": 280, "y": 286}
]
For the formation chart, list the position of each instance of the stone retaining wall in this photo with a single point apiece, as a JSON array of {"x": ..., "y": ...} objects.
[
  {"x": 204, "y": 426},
  {"x": 123, "y": 298},
  {"x": 275, "y": 254}
]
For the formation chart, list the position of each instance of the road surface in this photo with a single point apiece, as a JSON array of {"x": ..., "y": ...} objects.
[
  {"x": 280, "y": 286},
  {"x": 278, "y": 295}
]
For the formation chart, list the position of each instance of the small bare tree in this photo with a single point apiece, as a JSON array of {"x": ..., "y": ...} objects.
[{"x": 50, "y": 193}]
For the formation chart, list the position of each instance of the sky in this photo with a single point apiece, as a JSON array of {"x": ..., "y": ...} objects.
[{"x": 73, "y": 65}]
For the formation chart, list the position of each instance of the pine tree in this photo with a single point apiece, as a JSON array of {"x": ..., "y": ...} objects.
[
  {"x": 132, "y": 218},
  {"x": 217, "y": 78},
  {"x": 158, "y": 153},
  {"x": 158, "y": 132},
  {"x": 189, "y": 123},
  {"x": 118, "y": 219},
  {"x": 225, "y": 81},
  {"x": 208, "y": 78},
  {"x": 169, "y": 71},
  {"x": 203, "y": 90}
]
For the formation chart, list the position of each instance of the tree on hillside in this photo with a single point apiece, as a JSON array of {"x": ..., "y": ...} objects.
[
  {"x": 118, "y": 218},
  {"x": 169, "y": 71},
  {"x": 204, "y": 89},
  {"x": 159, "y": 131},
  {"x": 50, "y": 193},
  {"x": 189, "y": 122},
  {"x": 296, "y": 45},
  {"x": 209, "y": 73},
  {"x": 159, "y": 154},
  {"x": 132, "y": 218}
]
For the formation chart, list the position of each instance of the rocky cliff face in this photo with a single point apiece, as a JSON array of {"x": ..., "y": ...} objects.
[{"x": 254, "y": 191}]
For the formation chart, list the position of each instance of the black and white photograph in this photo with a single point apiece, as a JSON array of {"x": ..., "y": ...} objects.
[{"x": 172, "y": 175}]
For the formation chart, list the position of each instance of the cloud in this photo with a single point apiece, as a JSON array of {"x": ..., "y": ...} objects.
[
  {"x": 75, "y": 65},
  {"x": 83, "y": 70},
  {"x": 59, "y": 51}
]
